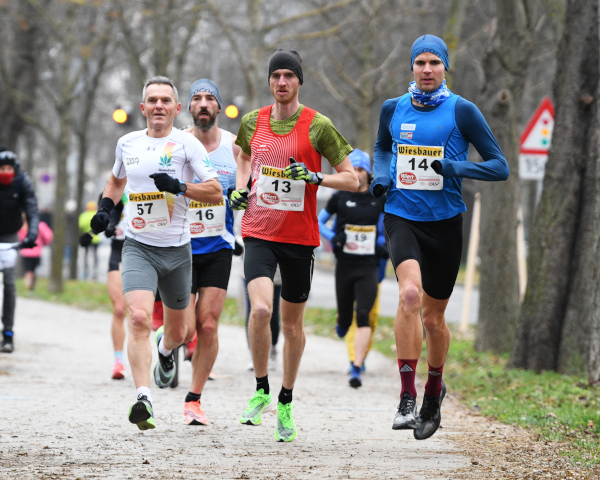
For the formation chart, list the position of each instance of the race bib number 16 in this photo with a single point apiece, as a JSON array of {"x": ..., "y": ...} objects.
[
  {"x": 206, "y": 219},
  {"x": 148, "y": 212},
  {"x": 413, "y": 168}
]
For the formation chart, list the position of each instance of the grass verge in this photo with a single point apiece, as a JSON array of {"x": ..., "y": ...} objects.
[{"x": 556, "y": 407}]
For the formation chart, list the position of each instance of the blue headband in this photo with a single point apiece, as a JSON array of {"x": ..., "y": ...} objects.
[
  {"x": 431, "y": 44},
  {"x": 360, "y": 159},
  {"x": 205, "y": 85}
]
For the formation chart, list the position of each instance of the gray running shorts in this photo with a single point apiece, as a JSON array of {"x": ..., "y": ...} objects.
[{"x": 169, "y": 269}]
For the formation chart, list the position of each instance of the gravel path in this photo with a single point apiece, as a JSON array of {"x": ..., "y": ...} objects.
[{"x": 62, "y": 417}]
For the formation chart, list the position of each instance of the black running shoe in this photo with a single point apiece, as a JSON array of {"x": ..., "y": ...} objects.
[
  {"x": 405, "y": 419},
  {"x": 7, "y": 345},
  {"x": 430, "y": 416}
]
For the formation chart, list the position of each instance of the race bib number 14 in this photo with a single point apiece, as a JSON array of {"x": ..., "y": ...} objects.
[
  {"x": 278, "y": 192},
  {"x": 413, "y": 168},
  {"x": 148, "y": 212}
]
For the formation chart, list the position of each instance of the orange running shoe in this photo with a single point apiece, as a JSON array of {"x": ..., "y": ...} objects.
[
  {"x": 118, "y": 372},
  {"x": 193, "y": 414}
]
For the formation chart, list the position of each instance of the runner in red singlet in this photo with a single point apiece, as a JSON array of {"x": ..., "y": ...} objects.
[{"x": 282, "y": 145}]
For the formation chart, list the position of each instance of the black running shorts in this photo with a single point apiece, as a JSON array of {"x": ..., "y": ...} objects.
[
  {"x": 296, "y": 263},
  {"x": 437, "y": 246},
  {"x": 211, "y": 269},
  {"x": 114, "y": 260}
]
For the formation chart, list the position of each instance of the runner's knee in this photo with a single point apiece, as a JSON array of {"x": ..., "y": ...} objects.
[
  {"x": 140, "y": 321},
  {"x": 261, "y": 312},
  {"x": 410, "y": 298}
]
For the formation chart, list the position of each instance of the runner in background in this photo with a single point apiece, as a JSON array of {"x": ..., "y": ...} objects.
[
  {"x": 32, "y": 256},
  {"x": 116, "y": 230},
  {"x": 213, "y": 242},
  {"x": 358, "y": 243},
  {"x": 17, "y": 196}
]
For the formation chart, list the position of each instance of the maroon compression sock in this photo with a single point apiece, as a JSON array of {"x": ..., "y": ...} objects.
[
  {"x": 407, "y": 376},
  {"x": 433, "y": 387}
]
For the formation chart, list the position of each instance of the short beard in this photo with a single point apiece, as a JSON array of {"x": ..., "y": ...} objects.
[{"x": 205, "y": 126}]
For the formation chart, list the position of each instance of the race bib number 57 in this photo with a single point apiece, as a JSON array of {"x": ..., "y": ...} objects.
[
  {"x": 413, "y": 168},
  {"x": 278, "y": 192},
  {"x": 148, "y": 212}
]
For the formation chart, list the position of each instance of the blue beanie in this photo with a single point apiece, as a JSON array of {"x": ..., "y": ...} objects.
[
  {"x": 431, "y": 44},
  {"x": 360, "y": 159},
  {"x": 205, "y": 85}
]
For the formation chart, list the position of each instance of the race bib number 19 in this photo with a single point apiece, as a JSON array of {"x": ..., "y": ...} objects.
[
  {"x": 206, "y": 219},
  {"x": 360, "y": 239},
  {"x": 413, "y": 168},
  {"x": 148, "y": 212},
  {"x": 278, "y": 192}
]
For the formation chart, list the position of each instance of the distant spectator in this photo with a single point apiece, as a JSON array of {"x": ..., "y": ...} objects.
[
  {"x": 31, "y": 256},
  {"x": 87, "y": 240}
]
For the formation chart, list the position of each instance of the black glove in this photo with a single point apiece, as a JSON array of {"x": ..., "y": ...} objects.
[
  {"x": 437, "y": 166},
  {"x": 85, "y": 239},
  {"x": 380, "y": 185},
  {"x": 110, "y": 230},
  {"x": 238, "y": 200},
  {"x": 382, "y": 252},
  {"x": 28, "y": 242},
  {"x": 102, "y": 218},
  {"x": 165, "y": 183},
  {"x": 238, "y": 249},
  {"x": 338, "y": 242}
]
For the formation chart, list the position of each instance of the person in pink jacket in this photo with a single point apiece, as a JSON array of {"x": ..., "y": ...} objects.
[{"x": 31, "y": 256}]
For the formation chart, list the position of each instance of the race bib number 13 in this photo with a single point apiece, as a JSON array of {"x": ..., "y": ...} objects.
[
  {"x": 278, "y": 192},
  {"x": 206, "y": 219},
  {"x": 148, "y": 212},
  {"x": 413, "y": 168}
]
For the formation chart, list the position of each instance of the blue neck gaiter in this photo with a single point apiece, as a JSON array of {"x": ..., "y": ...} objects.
[{"x": 429, "y": 98}]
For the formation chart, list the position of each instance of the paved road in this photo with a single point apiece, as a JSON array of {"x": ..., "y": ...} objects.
[
  {"x": 61, "y": 416},
  {"x": 323, "y": 290}
]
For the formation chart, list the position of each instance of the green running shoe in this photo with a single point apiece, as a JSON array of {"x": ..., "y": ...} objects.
[
  {"x": 165, "y": 368},
  {"x": 286, "y": 428},
  {"x": 141, "y": 413},
  {"x": 256, "y": 405}
]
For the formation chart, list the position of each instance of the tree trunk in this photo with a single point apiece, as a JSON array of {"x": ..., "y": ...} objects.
[
  {"x": 558, "y": 324},
  {"x": 19, "y": 95},
  {"x": 505, "y": 66}
]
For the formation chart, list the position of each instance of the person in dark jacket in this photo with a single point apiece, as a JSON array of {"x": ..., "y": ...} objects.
[{"x": 16, "y": 196}]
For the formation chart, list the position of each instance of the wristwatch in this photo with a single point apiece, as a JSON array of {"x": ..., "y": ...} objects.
[
  {"x": 319, "y": 177},
  {"x": 182, "y": 188}
]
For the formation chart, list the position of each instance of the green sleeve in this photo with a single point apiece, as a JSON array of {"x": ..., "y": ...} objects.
[
  {"x": 246, "y": 131},
  {"x": 328, "y": 141}
]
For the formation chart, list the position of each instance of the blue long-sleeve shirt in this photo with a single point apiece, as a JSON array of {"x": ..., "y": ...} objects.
[{"x": 451, "y": 125}]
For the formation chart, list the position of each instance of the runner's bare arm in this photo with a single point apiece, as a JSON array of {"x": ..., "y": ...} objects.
[
  {"x": 236, "y": 148},
  {"x": 114, "y": 188},
  {"x": 344, "y": 179},
  {"x": 242, "y": 175},
  {"x": 205, "y": 192}
]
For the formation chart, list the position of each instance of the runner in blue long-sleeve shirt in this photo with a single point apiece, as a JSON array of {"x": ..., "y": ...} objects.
[{"x": 420, "y": 160}]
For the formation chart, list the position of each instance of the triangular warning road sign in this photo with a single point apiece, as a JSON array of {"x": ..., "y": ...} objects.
[{"x": 537, "y": 136}]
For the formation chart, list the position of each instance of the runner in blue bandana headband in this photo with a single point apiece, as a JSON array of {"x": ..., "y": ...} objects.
[{"x": 420, "y": 160}]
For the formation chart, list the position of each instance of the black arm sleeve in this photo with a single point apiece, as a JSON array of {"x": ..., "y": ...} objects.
[{"x": 115, "y": 214}]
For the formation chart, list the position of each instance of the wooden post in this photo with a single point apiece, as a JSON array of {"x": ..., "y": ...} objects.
[
  {"x": 471, "y": 261},
  {"x": 521, "y": 260}
]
